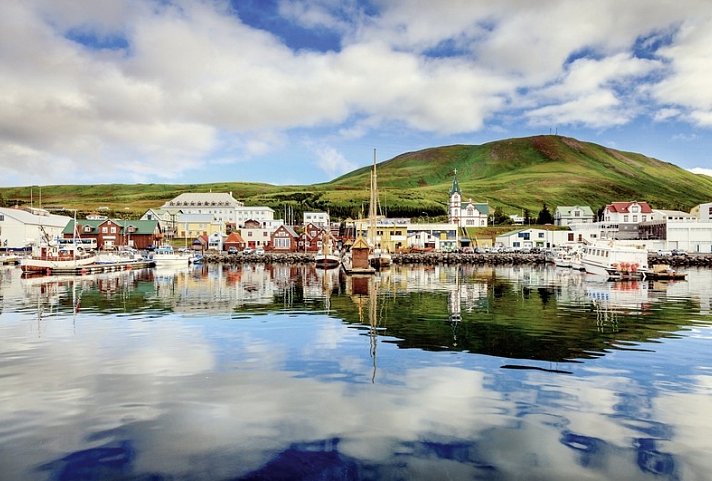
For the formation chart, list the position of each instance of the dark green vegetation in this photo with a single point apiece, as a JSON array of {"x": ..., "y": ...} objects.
[{"x": 514, "y": 174}]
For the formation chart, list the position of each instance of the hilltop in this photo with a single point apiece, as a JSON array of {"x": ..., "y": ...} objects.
[{"x": 514, "y": 174}]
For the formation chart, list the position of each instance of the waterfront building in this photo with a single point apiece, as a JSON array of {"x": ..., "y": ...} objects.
[
  {"x": 112, "y": 233},
  {"x": 20, "y": 228},
  {"x": 577, "y": 214},
  {"x": 533, "y": 237},
  {"x": 627, "y": 216},
  {"x": 256, "y": 233},
  {"x": 469, "y": 214},
  {"x": 284, "y": 239}
]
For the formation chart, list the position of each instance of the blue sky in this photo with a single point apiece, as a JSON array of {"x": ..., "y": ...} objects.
[{"x": 295, "y": 92}]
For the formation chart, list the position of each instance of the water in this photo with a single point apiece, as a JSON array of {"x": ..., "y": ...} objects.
[{"x": 286, "y": 373}]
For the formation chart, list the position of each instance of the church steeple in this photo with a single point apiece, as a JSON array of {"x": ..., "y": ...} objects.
[{"x": 455, "y": 188}]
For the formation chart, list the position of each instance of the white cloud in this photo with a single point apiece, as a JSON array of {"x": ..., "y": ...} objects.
[
  {"x": 194, "y": 75},
  {"x": 332, "y": 162},
  {"x": 702, "y": 170}
]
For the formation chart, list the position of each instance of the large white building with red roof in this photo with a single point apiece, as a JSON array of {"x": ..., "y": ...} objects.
[{"x": 627, "y": 212}]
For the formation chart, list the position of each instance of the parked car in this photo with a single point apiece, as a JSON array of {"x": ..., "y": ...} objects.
[
  {"x": 664, "y": 252},
  {"x": 259, "y": 251},
  {"x": 678, "y": 252},
  {"x": 232, "y": 250},
  {"x": 248, "y": 250}
]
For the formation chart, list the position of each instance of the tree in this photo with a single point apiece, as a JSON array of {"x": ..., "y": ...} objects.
[
  {"x": 527, "y": 217},
  {"x": 545, "y": 216},
  {"x": 499, "y": 217}
]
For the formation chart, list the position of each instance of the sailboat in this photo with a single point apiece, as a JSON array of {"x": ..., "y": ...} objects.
[
  {"x": 378, "y": 258},
  {"x": 325, "y": 259}
]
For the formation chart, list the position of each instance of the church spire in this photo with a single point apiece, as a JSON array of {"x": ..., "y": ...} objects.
[{"x": 455, "y": 186}]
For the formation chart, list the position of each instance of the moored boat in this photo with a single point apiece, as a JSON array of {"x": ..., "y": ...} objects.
[
  {"x": 325, "y": 259},
  {"x": 167, "y": 256},
  {"x": 49, "y": 258},
  {"x": 615, "y": 260}
]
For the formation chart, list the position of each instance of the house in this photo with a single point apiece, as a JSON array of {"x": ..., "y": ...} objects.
[
  {"x": 442, "y": 236},
  {"x": 532, "y": 237},
  {"x": 110, "y": 233},
  {"x": 166, "y": 219},
  {"x": 215, "y": 241},
  {"x": 390, "y": 234},
  {"x": 320, "y": 219},
  {"x": 627, "y": 216},
  {"x": 577, "y": 214},
  {"x": 256, "y": 233},
  {"x": 284, "y": 239},
  {"x": 234, "y": 239},
  {"x": 468, "y": 215},
  {"x": 20, "y": 228},
  {"x": 310, "y": 240}
]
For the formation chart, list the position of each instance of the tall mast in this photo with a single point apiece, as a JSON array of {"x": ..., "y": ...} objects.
[{"x": 372, "y": 208}]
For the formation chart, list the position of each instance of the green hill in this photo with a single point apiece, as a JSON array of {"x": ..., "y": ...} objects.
[{"x": 514, "y": 174}]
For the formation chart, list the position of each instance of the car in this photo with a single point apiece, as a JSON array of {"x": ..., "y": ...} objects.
[
  {"x": 664, "y": 252},
  {"x": 248, "y": 250},
  {"x": 232, "y": 250},
  {"x": 678, "y": 252},
  {"x": 259, "y": 251}
]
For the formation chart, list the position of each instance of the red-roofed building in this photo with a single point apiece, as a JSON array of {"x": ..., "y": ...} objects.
[
  {"x": 627, "y": 212},
  {"x": 234, "y": 239},
  {"x": 626, "y": 216}
]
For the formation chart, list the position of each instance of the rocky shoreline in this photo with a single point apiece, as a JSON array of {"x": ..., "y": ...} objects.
[{"x": 432, "y": 258}]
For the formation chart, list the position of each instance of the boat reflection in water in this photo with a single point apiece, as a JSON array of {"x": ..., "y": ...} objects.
[{"x": 292, "y": 372}]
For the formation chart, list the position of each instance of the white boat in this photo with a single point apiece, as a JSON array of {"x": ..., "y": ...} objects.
[
  {"x": 167, "y": 256},
  {"x": 577, "y": 261},
  {"x": 615, "y": 260},
  {"x": 47, "y": 258},
  {"x": 562, "y": 258}
]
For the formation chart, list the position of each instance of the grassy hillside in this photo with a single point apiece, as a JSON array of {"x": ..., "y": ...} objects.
[{"x": 514, "y": 174}]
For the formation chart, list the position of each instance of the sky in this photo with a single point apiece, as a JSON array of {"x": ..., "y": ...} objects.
[{"x": 300, "y": 92}]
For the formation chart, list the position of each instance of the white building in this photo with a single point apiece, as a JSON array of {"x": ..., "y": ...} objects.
[
  {"x": 320, "y": 219},
  {"x": 672, "y": 216},
  {"x": 529, "y": 238},
  {"x": 576, "y": 214},
  {"x": 222, "y": 206},
  {"x": 20, "y": 228},
  {"x": 469, "y": 214},
  {"x": 703, "y": 212},
  {"x": 251, "y": 212}
]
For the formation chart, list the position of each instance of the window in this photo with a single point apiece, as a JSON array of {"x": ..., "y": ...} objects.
[
  {"x": 644, "y": 218},
  {"x": 264, "y": 233},
  {"x": 113, "y": 229},
  {"x": 249, "y": 234},
  {"x": 625, "y": 218},
  {"x": 87, "y": 228},
  {"x": 2, "y": 217},
  {"x": 541, "y": 235},
  {"x": 577, "y": 213},
  {"x": 635, "y": 218},
  {"x": 104, "y": 230}
]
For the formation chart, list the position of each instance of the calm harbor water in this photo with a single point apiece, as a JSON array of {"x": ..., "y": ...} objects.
[{"x": 284, "y": 372}]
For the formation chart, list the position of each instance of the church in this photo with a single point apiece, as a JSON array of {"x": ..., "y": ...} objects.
[{"x": 469, "y": 214}]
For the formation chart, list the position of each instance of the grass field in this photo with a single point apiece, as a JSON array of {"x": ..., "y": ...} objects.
[{"x": 514, "y": 174}]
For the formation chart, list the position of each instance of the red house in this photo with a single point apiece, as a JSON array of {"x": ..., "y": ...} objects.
[
  {"x": 284, "y": 239},
  {"x": 234, "y": 240},
  {"x": 111, "y": 233}
]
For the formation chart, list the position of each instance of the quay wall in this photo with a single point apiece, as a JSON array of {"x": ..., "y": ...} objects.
[{"x": 432, "y": 258}]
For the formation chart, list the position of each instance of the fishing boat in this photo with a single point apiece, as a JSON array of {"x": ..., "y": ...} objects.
[
  {"x": 615, "y": 260},
  {"x": 49, "y": 257},
  {"x": 167, "y": 256}
]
